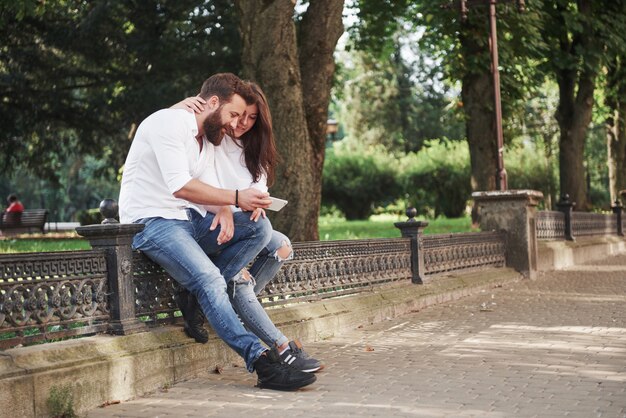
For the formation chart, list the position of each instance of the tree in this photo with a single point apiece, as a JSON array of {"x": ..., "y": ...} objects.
[
  {"x": 294, "y": 64},
  {"x": 391, "y": 100},
  {"x": 84, "y": 73},
  {"x": 462, "y": 49},
  {"x": 579, "y": 34},
  {"x": 616, "y": 125}
]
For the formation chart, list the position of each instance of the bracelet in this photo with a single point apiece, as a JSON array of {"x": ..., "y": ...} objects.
[{"x": 236, "y": 198}]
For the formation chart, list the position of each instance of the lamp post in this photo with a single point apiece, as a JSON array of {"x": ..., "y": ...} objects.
[{"x": 501, "y": 179}]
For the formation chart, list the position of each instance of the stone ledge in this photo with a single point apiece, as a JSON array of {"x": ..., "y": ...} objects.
[
  {"x": 555, "y": 255},
  {"x": 108, "y": 368}
]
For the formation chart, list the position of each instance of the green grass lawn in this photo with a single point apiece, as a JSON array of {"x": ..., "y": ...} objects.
[
  {"x": 36, "y": 244},
  {"x": 330, "y": 228},
  {"x": 381, "y": 226}
]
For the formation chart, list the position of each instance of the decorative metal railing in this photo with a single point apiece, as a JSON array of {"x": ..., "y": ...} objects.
[
  {"x": 550, "y": 224},
  {"x": 466, "y": 251},
  {"x": 44, "y": 296},
  {"x": 154, "y": 291},
  {"x": 333, "y": 268},
  {"x": 585, "y": 224},
  {"x": 569, "y": 224}
]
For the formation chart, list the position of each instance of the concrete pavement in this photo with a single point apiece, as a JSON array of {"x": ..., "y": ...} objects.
[{"x": 554, "y": 346}]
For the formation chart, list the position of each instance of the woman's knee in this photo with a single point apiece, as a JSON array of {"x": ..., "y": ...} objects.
[{"x": 280, "y": 246}]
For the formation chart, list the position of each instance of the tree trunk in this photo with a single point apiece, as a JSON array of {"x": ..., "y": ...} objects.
[
  {"x": 616, "y": 128},
  {"x": 574, "y": 116},
  {"x": 271, "y": 57},
  {"x": 576, "y": 88},
  {"x": 478, "y": 106},
  {"x": 480, "y": 127},
  {"x": 320, "y": 30}
]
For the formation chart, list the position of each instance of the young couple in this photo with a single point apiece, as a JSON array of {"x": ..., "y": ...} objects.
[{"x": 201, "y": 196}]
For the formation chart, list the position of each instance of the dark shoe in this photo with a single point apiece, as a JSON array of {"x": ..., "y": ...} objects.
[
  {"x": 193, "y": 316},
  {"x": 273, "y": 374},
  {"x": 296, "y": 357}
]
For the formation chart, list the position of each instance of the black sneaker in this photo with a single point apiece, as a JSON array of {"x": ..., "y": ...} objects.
[
  {"x": 296, "y": 357},
  {"x": 193, "y": 316},
  {"x": 273, "y": 374}
]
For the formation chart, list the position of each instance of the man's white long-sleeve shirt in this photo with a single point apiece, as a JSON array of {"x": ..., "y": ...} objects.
[
  {"x": 163, "y": 157},
  {"x": 229, "y": 170}
]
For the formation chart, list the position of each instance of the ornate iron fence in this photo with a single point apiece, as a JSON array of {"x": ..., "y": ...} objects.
[
  {"x": 44, "y": 296},
  {"x": 585, "y": 224},
  {"x": 154, "y": 291},
  {"x": 569, "y": 224},
  {"x": 550, "y": 224},
  {"x": 466, "y": 251},
  {"x": 333, "y": 268}
]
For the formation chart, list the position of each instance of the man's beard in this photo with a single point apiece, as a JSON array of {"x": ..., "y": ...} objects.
[{"x": 214, "y": 128}]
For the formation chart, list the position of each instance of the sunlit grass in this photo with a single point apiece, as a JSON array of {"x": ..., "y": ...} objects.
[
  {"x": 22, "y": 245},
  {"x": 382, "y": 226},
  {"x": 330, "y": 228}
]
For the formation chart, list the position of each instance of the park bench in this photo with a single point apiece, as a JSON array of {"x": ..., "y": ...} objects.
[{"x": 28, "y": 221}]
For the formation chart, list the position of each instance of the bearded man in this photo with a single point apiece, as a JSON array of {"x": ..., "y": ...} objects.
[{"x": 162, "y": 189}]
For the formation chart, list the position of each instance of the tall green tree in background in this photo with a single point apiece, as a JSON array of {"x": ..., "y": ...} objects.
[
  {"x": 389, "y": 100},
  {"x": 616, "y": 124},
  {"x": 294, "y": 64},
  {"x": 581, "y": 36},
  {"x": 78, "y": 76}
]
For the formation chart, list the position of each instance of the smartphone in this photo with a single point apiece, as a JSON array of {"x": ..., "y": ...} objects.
[{"x": 277, "y": 204}]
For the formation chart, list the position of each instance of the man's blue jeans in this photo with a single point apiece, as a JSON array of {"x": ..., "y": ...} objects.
[
  {"x": 243, "y": 293},
  {"x": 183, "y": 248}
]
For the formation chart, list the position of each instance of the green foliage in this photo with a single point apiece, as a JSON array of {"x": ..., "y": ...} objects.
[
  {"x": 82, "y": 182},
  {"x": 445, "y": 40},
  {"x": 527, "y": 167},
  {"x": 596, "y": 167},
  {"x": 60, "y": 402},
  {"x": 355, "y": 180},
  {"x": 383, "y": 100},
  {"x": 437, "y": 178},
  {"x": 89, "y": 216},
  {"x": 80, "y": 75}
]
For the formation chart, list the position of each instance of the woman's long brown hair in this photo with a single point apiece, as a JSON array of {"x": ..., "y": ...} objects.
[{"x": 259, "y": 146}]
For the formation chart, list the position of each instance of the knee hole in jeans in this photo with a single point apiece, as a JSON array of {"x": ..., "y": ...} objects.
[{"x": 284, "y": 253}]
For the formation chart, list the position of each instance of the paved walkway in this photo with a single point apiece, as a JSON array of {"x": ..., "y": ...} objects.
[{"x": 555, "y": 346}]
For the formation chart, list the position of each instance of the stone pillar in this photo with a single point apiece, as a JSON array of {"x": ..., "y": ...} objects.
[
  {"x": 512, "y": 211},
  {"x": 617, "y": 210},
  {"x": 567, "y": 207},
  {"x": 115, "y": 239},
  {"x": 414, "y": 229}
]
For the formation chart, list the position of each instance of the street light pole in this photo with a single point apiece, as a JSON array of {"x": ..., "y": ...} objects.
[
  {"x": 501, "y": 180},
  {"x": 501, "y": 177}
]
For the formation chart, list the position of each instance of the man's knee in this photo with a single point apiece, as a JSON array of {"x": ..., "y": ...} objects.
[
  {"x": 265, "y": 228},
  {"x": 242, "y": 286}
]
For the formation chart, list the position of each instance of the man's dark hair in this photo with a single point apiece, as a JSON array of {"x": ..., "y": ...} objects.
[
  {"x": 12, "y": 198},
  {"x": 224, "y": 86}
]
